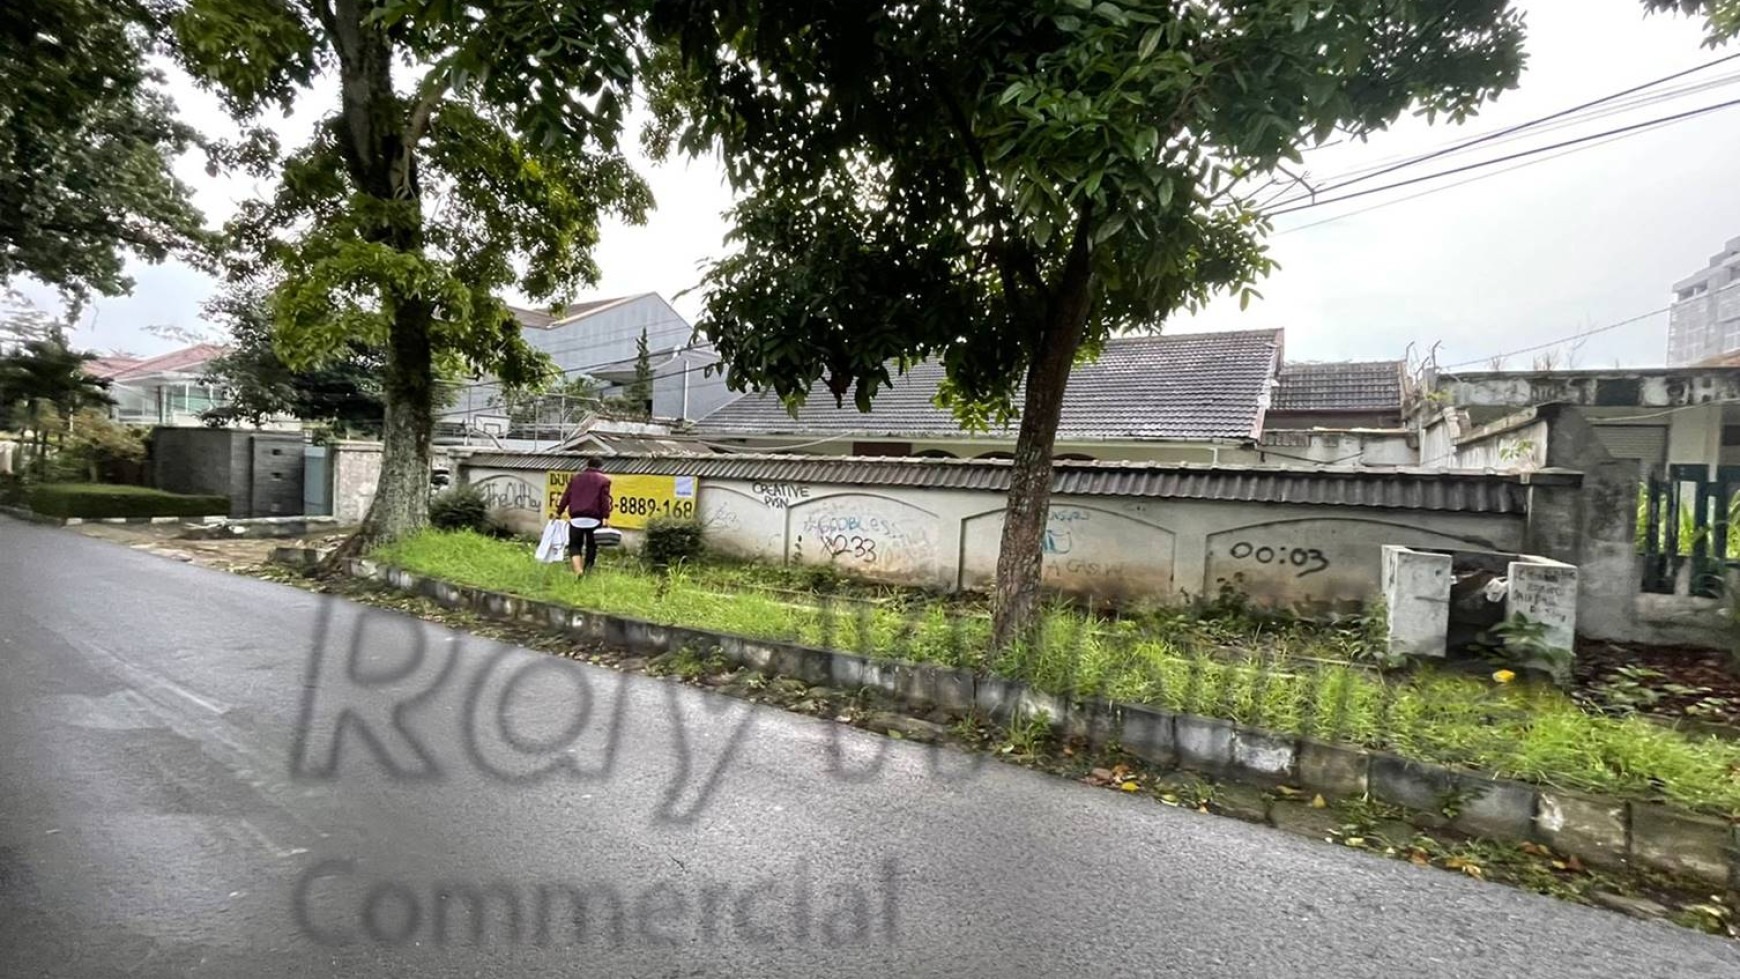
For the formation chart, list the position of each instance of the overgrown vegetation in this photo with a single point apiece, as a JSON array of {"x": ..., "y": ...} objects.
[
  {"x": 672, "y": 541},
  {"x": 460, "y": 508},
  {"x": 1244, "y": 666}
]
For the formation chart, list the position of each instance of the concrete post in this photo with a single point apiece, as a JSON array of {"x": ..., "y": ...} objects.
[{"x": 1416, "y": 586}]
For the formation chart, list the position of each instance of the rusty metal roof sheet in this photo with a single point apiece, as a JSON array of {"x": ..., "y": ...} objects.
[{"x": 1399, "y": 488}]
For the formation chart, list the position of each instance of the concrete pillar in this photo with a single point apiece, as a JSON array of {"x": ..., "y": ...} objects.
[
  {"x": 1546, "y": 592},
  {"x": 1416, "y": 586}
]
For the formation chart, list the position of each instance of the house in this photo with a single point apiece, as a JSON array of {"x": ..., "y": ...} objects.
[
  {"x": 599, "y": 340},
  {"x": 168, "y": 389},
  {"x": 1194, "y": 397},
  {"x": 1339, "y": 413},
  {"x": 1650, "y": 418}
]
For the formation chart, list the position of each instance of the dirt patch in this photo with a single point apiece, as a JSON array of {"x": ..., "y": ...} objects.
[
  {"x": 1695, "y": 685},
  {"x": 222, "y": 554}
]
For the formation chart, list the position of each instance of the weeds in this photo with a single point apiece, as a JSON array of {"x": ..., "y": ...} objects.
[{"x": 1275, "y": 674}]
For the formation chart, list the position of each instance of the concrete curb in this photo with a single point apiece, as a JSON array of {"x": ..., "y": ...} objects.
[
  {"x": 32, "y": 516},
  {"x": 1599, "y": 831}
]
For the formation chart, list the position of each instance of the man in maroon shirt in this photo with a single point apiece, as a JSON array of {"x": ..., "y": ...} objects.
[{"x": 585, "y": 504}]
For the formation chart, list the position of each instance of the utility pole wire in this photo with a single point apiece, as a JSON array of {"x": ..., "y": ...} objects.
[
  {"x": 1678, "y": 117},
  {"x": 1508, "y": 131}
]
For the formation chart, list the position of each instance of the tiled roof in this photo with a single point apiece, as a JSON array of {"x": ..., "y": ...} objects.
[
  {"x": 184, "y": 361},
  {"x": 543, "y": 319},
  {"x": 109, "y": 366},
  {"x": 1394, "y": 487},
  {"x": 1184, "y": 386},
  {"x": 1370, "y": 385}
]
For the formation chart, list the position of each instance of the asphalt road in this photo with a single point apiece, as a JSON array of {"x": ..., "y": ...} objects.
[{"x": 195, "y": 780}]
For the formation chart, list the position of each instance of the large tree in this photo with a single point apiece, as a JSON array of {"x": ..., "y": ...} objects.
[
  {"x": 471, "y": 148},
  {"x": 1002, "y": 185},
  {"x": 86, "y": 140}
]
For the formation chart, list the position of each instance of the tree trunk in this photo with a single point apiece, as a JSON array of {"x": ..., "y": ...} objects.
[
  {"x": 401, "y": 503},
  {"x": 1021, "y": 555},
  {"x": 380, "y": 163}
]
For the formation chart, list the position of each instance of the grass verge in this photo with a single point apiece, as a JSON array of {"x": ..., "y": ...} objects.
[{"x": 1525, "y": 731}]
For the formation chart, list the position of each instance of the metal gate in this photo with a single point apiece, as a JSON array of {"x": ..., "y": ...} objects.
[
  {"x": 316, "y": 482},
  {"x": 1685, "y": 528}
]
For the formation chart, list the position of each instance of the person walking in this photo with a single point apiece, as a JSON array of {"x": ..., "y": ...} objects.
[{"x": 585, "y": 504}]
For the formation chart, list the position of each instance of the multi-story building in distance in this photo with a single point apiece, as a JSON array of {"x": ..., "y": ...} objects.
[{"x": 1705, "y": 319}]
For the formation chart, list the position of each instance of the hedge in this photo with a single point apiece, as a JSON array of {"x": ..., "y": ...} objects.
[{"x": 92, "y": 500}]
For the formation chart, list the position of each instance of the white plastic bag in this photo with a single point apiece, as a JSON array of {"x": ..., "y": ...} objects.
[{"x": 554, "y": 546}]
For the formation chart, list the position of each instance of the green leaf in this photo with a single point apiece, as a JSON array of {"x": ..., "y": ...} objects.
[
  {"x": 1110, "y": 226},
  {"x": 1301, "y": 14},
  {"x": 1166, "y": 193},
  {"x": 1150, "y": 41}
]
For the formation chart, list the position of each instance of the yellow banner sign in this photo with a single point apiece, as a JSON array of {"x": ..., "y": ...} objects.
[{"x": 636, "y": 499}]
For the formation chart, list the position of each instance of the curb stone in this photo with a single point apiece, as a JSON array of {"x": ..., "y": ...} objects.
[
  {"x": 1602, "y": 832},
  {"x": 1337, "y": 771},
  {"x": 1681, "y": 843}
]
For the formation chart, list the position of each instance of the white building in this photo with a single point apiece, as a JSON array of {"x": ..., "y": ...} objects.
[
  {"x": 1705, "y": 319},
  {"x": 599, "y": 340}
]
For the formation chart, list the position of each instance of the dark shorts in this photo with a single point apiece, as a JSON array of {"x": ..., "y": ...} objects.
[{"x": 579, "y": 539}]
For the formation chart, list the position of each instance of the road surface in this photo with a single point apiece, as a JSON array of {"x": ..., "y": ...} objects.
[{"x": 196, "y": 779}]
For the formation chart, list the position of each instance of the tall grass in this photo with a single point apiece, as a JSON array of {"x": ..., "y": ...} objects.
[{"x": 1522, "y": 731}]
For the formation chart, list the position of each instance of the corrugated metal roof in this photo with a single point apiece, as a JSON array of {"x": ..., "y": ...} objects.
[{"x": 1461, "y": 491}]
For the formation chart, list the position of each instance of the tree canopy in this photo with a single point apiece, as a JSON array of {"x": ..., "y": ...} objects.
[
  {"x": 87, "y": 137},
  {"x": 344, "y": 391},
  {"x": 1003, "y": 185},
  {"x": 472, "y": 148}
]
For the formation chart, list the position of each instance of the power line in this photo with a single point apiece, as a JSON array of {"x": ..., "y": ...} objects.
[
  {"x": 1678, "y": 117},
  {"x": 1460, "y": 183},
  {"x": 1553, "y": 343},
  {"x": 1520, "y": 127},
  {"x": 1615, "y": 109}
]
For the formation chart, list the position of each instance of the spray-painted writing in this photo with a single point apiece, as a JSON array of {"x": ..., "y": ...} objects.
[
  {"x": 1307, "y": 560},
  {"x": 781, "y": 495}
]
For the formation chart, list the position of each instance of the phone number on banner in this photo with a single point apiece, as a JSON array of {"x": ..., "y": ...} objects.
[{"x": 646, "y": 506}]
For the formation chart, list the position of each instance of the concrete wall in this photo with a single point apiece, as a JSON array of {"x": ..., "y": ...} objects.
[
  {"x": 260, "y": 472},
  {"x": 1111, "y": 547},
  {"x": 1352, "y": 447},
  {"x": 355, "y": 471}
]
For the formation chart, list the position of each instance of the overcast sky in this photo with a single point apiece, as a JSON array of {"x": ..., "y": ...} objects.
[{"x": 1515, "y": 259}]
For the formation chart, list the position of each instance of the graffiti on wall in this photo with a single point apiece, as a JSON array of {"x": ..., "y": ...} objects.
[
  {"x": 507, "y": 492},
  {"x": 1086, "y": 549},
  {"x": 873, "y": 535},
  {"x": 1324, "y": 560},
  {"x": 781, "y": 495},
  {"x": 739, "y": 523}
]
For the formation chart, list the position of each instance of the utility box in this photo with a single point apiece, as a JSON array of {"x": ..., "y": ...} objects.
[
  {"x": 1439, "y": 602},
  {"x": 260, "y": 472}
]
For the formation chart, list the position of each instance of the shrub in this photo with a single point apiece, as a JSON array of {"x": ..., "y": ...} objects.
[
  {"x": 460, "y": 508},
  {"x": 99, "y": 450},
  {"x": 93, "y": 500},
  {"x": 671, "y": 540}
]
